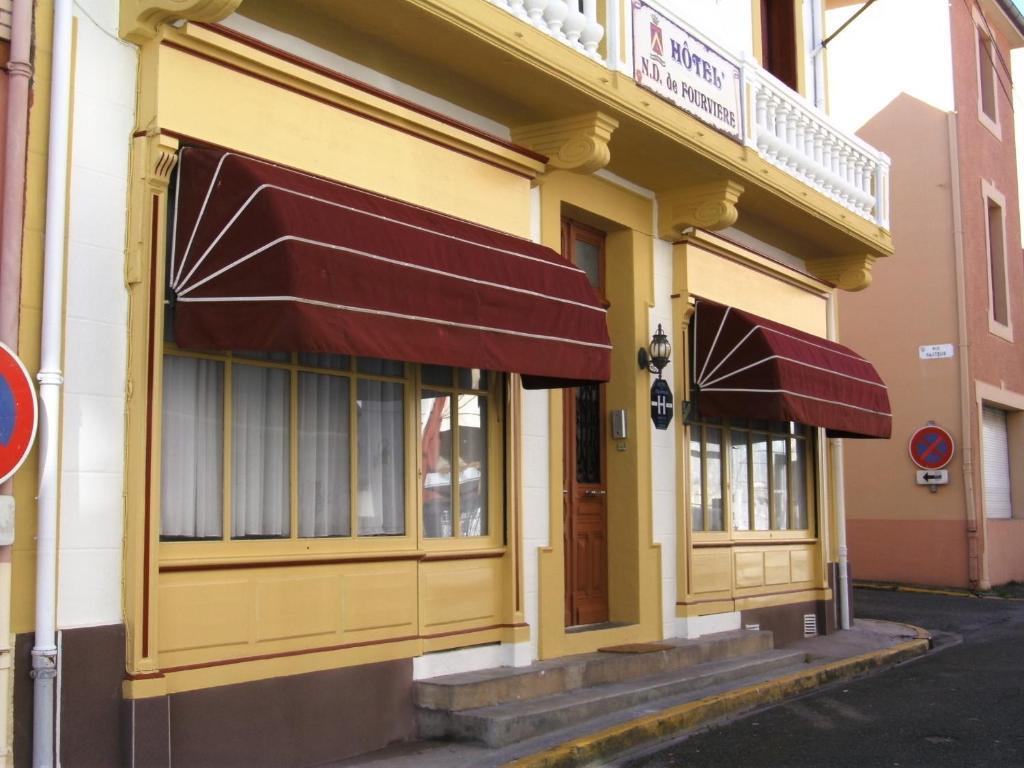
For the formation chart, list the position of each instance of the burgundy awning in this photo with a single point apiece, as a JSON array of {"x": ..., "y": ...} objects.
[
  {"x": 268, "y": 258},
  {"x": 746, "y": 366}
]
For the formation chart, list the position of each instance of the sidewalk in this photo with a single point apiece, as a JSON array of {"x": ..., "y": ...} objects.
[{"x": 867, "y": 646}]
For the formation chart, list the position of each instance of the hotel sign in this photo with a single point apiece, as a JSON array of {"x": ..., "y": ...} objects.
[{"x": 684, "y": 70}]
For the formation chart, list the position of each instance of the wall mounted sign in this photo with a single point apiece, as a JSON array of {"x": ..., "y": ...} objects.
[
  {"x": 686, "y": 71},
  {"x": 19, "y": 413},
  {"x": 935, "y": 351},
  {"x": 661, "y": 404},
  {"x": 931, "y": 447}
]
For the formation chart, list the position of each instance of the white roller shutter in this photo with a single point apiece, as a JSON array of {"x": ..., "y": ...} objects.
[{"x": 997, "y": 463}]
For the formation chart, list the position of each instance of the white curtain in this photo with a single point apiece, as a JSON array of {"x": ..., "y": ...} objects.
[
  {"x": 192, "y": 465},
  {"x": 381, "y": 438},
  {"x": 260, "y": 451},
  {"x": 324, "y": 497}
]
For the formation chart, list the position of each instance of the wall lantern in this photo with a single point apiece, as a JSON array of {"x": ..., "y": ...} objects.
[{"x": 657, "y": 355}]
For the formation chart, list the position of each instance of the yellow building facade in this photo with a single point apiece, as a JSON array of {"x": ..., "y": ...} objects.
[{"x": 575, "y": 522}]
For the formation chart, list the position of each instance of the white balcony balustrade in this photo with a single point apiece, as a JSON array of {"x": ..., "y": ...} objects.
[
  {"x": 574, "y": 22},
  {"x": 793, "y": 135}
]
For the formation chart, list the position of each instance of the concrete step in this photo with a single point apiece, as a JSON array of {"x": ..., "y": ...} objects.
[
  {"x": 473, "y": 690},
  {"x": 500, "y": 725}
]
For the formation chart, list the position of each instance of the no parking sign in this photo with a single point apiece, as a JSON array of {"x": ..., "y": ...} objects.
[
  {"x": 19, "y": 413},
  {"x": 931, "y": 447}
]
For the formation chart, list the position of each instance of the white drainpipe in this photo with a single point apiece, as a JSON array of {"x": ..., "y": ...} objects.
[
  {"x": 839, "y": 492},
  {"x": 44, "y": 653}
]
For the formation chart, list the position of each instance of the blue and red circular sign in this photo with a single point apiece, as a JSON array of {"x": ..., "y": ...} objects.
[
  {"x": 19, "y": 413},
  {"x": 931, "y": 447}
]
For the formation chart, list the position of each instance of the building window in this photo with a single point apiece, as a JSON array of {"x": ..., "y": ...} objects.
[
  {"x": 999, "y": 300},
  {"x": 996, "y": 445},
  {"x": 988, "y": 79},
  {"x": 286, "y": 445},
  {"x": 749, "y": 475},
  {"x": 778, "y": 40}
]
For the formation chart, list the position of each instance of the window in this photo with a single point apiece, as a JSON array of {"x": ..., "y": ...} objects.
[
  {"x": 284, "y": 445},
  {"x": 996, "y": 445},
  {"x": 987, "y": 77},
  {"x": 778, "y": 40},
  {"x": 998, "y": 297},
  {"x": 753, "y": 473}
]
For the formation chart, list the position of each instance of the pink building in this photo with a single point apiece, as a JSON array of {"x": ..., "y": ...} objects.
[{"x": 944, "y": 319}]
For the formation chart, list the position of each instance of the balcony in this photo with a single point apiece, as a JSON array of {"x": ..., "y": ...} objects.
[{"x": 783, "y": 127}]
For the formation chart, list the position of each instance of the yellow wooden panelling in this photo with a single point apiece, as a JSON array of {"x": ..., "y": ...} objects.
[
  {"x": 212, "y": 613},
  {"x": 749, "y": 569},
  {"x": 801, "y": 564},
  {"x": 457, "y": 593},
  {"x": 712, "y": 571},
  {"x": 292, "y": 608},
  {"x": 369, "y": 601},
  {"x": 776, "y": 567}
]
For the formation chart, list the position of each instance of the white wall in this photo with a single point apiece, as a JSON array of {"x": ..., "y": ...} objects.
[
  {"x": 663, "y": 445},
  {"x": 92, "y": 476},
  {"x": 726, "y": 23},
  {"x": 915, "y": 36}
]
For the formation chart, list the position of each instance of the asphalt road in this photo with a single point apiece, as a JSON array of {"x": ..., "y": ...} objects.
[{"x": 962, "y": 704}]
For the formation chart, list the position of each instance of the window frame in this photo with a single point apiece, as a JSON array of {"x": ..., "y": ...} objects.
[
  {"x": 271, "y": 549},
  {"x": 997, "y": 262},
  {"x": 987, "y": 76},
  {"x": 730, "y": 533}
]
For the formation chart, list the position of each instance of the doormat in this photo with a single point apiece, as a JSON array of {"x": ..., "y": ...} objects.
[{"x": 636, "y": 648}]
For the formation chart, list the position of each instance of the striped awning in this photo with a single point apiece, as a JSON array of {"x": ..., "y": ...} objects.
[
  {"x": 746, "y": 366},
  {"x": 268, "y": 258}
]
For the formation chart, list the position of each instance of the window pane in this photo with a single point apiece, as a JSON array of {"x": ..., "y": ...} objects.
[
  {"x": 260, "y": 463},
  {"x": 436, "y": 442},
  {"x": 762, "y": 512},
  {"x": 324, "y": 475},
  {"x": 780, "y": 485},
  {"x": 436, "y": 375},
  {"x": 696, "y": 480},
  {"x": 472, "y": 378},
  {"x": 378, "y": 367},
  {"x": 472, "y": 421},
  {"x": 798, "y": 462},
  {"x": 325, "y": 360},
  {"x": 739, "y": 480},
  {"x": 716, "y": 479},
  {"x": 192, "y": 449},
  {"x": 381, "y": 436}
]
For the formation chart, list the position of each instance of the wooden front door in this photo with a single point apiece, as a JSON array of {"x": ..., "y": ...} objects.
[{"x": 585, "y": 490}]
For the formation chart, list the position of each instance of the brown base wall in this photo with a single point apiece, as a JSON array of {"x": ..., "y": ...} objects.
[
  {"x": 300, "y": 720},
  {"x": 786, "y": 622}
]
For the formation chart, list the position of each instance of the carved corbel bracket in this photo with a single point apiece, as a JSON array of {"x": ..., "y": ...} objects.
[
  {"x": 578, "y": 144},
  {"x": 850, "y": 273},
  {"x": 153, "y": 159},
  {"x": 141, "y": 19},
  {"x": 706, "y": 206}
]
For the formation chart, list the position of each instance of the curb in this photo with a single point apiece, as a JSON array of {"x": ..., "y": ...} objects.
[
  {"x": 880, "y": 586},
  {"x": 671, "y": 722}
]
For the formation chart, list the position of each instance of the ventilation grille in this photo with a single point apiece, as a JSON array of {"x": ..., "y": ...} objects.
[{"x": 810, "y": 625}]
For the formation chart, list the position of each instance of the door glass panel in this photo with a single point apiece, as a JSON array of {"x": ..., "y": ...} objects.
[
  {"x": 588, "y": 258},
  {"x": 588, "y": 434}
]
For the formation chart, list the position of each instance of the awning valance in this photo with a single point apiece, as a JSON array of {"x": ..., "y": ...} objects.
[
  {"x": 268, "y": 258},
  {"x": 746, "y": 366}
]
